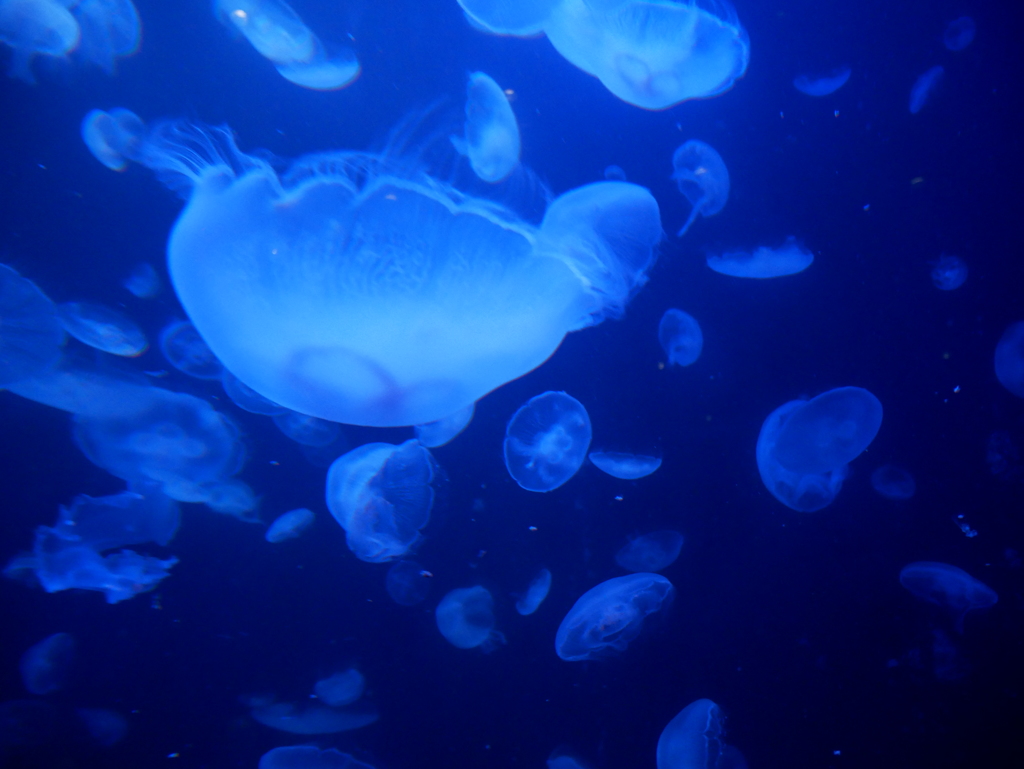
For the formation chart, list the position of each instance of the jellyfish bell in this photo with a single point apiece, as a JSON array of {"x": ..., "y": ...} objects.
[
  {"x": 702, "y": 177},
  {"x": 112, "y": 137},
  {"x": 271, "y": 26},
  {"x": 31, "y": 27}
]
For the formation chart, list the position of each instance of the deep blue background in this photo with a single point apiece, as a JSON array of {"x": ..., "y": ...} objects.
[{"x": 788, "y": 621}]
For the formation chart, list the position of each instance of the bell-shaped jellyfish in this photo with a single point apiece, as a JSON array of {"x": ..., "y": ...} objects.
[
  {"x": 381, "y": 494},
  {"x": 609, "y": 616},
  {"x": 959, "y": 33},
  {"x": 31, "y": 27},
  {"x": 614, "y": 174},
  {"x": 465, "y": 618},
  {"x": 822, "y": 85},
  {"x": 535, "y": 594},
  {"x": 893, "y": 482},
  {"x": 949, "y": 272},
  {"x": 828, "y": 431},
  {"x": 110, "y": 30},
  {"x": 143, "y": 281},
  {"x": 248, "y": 399},
  {"x": 694, "y": 739},
  {"x": 803, "y": 492},
  {"x": 702, "y": 177},
  {"x": 947, "y": 586},
  {"x": 1009, "y": 359},
  {"x": 113, "y": 138},
  {"x": 546, "y": 441},
  {"x": 323, "y": 72},
  {"x": 231, "y": 496},
  {"x": 45, "y": 666},
  {"x": 924, "y": 87},
  {"x": 491, "y": 140},
  {"x": 508, "y": 17},
  {"x": 561, "y": 759},
  {"x": 312, "y": 719},
  {"x": 128, "y": 518},
  {"x": 442, "y": 431},
  {"x": 407, "y": 583},
  {"x": 103, "y": 328},
  {"x": 184, "y": 349},
  {"x": 650, "y": 552},
  {"x": 309, "y": 431},
  {"x": 629, "y": 467},
  {"x": 31, "y": 334},
  {"x": 680, "y": 337},
  {"x": 309, "y": 757},
  {"x": 290, "y": 525},
  {"x": 342, "y": 688},
  {"x": 106, "y": 727},
  {"x": 764, "y": 261}
]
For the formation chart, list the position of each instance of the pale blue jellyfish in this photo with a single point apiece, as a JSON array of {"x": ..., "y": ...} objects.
[
  {"x": 309, "y": 431},
  {"x": 822, "y": 85},
  {"x": 342, "y": 688},
  {"x": 508, "y": 17},
  {"x": 828, "y": 431},
  {"x": 45, "y": 666},
  {"x": 312, "y": 719},
  {"x": 959, "y": 33},
  {"x": 442, "y": 431},
  {"x": 31, "y": 335},
  {"x": 128, "y": 518},
  {"x": 114, "y": 138},
  {"x": 614, "y": 174},
  {"x": 106, "y": 727},
  {"x": 560, "y": 759},
  {"x": 626, "y": 466},
  {"x": 803, "y": 492},
  {"x": 143, "y": 280},
  {"x": 290, "y": 525},
  {"x": 609, "y": 616},
  {"x": 924, "y": 87},
  {"x": 184, "y": 349},
  {"x": 31, "y": 27},
  {"x": 893, "y": 482},
  {"x": 949, "y": 272},
  {"x": 103, "y": 328},
  {"x": 110, "y": 30},
  {"x": 491, "y": 139},
  {"x": 650, "y": 552},
  {"x": 680, "y": 337},
  {"x": 465, "y": 618},
  {"x": 546, "y": 441},
  {"x": 309, "y": 757},
  {"x": 947, "y": 586},
  {"x": 535, "y": 594},
  {"x": 381, "y": 494},
  {"x": 407, "y": 583},
  {"x": 764, "y": 261},
  {"x": 1009, "y": 359},
  {"x": 702, "y": 177},
  {"x": 248, "y": 399},
  {"x": 694, "y": 739}
]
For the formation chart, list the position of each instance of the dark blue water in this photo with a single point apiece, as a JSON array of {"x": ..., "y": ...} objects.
[{"x": 795, "y": 624}]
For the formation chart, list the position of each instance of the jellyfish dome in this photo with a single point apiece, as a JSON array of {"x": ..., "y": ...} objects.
[
  {"x": 702, "y": 177},
  {"x": 694, "y": 739},
  {"x": 546, "y": 441},
  {"x": 949, "y": 272},
  {"x": 113, "y": 138},
  {"x": 1009, "y": 359},
  {"x": 31, "y": 334},
  {"x": 491, "y": 141},
  {"x": 465, "y": 618},
  {"x": 680, "y": 337},
  {"x": 948, "y": 586},
  {"x": 33, "y": 27}
]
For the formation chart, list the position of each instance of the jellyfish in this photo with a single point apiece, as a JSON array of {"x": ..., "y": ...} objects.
[
  {"x": 248, "y": 399},
  {"x": 443, "y": 431},
  {"x": 312, "y": 719},
  {"x": 103, "y": 328},
  {"x": 45, "y": 666},
  {"x": 650, "y": 552},
  {"x": 535, "y": 593},
  {"x": 702, "y": 177},
  {"x": 949, "y": 272},
  {"x": 924, "y": 87},
  {"x": 614, "y": 174},
  {"x": 30, "y": 27},
  {"x": 893, "y": 482},
  {"x": 143, "y": 281},
  {"x": 31, "y": 335},
  {"x": 508, "y": 17},
  {"x": 184, "y": 349},
  {"x": 128, "y": 518},
  {"x": 546, "y": 441},
  {"x": 323, "y": 72},
  {"x": 465, "y": 618},
  {"x": 114, "y": 138},
  {"x": 233, "y": 497},
  {"x": 609, "y": 616},
  {"x": 1009, "y": 358},
  {"x": 341, "y": 688},
  {"x": 407, "y": 583},
  {"x": 626, "y": 466},
  {"x": 110, "y": 30},
  {"x": 290, "y": 525},
  {"x": 764, "y": 262},
  {"x": 694, "y": 739},
  {"x": 680, "y": 337},
  {"x": 309, "y": 431},
  {"x": 959, "y": 33},
  {"x": 947, "y": 586},
  {"x": 106, "y": 727},
  {"x": 803, "y": 492},
  {"x": 491, "y": 140},
  {"x": 309, "y": 757},
  {"x": 828, "y": 431},
  {"x": 561, "y": 759},
  {"x": 381, "y": 494},
  {"x": 822, "y": 85}
]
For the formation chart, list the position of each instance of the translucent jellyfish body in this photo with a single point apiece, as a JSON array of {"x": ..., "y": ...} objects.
[
  {"x": 407, "y": 583},
  {"x": 949, "y": 272},
  {"x": 128, "y": 518},
  {"x": 434, "y": 434},
  {"x": 546, "y": 441},
  {"x": 763, "y": 262},
  {"x": 822, "y": 85},
  {"x": 313, "y": 719},
  {"x": 31, "y": 27},
  {"x": 893, "y": 482},
  {"x": 959, "y": 33},
  {"x": 309, "y": 431},
  {"x": 248, "y": 399},
  {"x": 947, "y": 586},
  {"x": 110, "y": 30},
  {"x": 31, "y": 334},
  {"x": 491, "y": 140},
  {"x": 465, "y": 618},
  {"x": 106, "y": 727},
  {"x": 103, "y": 328},
  {"x": 650, "y": 552},
  {"x": 924, "y": 87},
  {"x": 1009, "y": 359},
  {"x": 626, "y": 466},
  {"x": 45, "y": 666},
  {"x": 702, "y": 177},
  {"x": 341, "y": 688},
  {"x": 614, "y": 173},
  {"x": 560, "y": 759},
  {"x": 535, "y": 594},
  {"x": 143, "y": 280},
  {"x": 184, "y": 349},
  {"x": 290, "y": 525},
  {"x": 309, "y": 757},
  {"x": 113, "y": 138},
  {"x": 694, "y": 739},
  {"x": 680, "y": 337},
  {"x": 508, "y": 17},
  {"x": 381, "y": 494},
  {"x": 609, "y": 616}
]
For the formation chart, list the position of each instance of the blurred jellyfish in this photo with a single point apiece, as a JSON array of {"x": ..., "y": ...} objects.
[
  {"x": 381, "y": 494},
  {"x": 114, "y": 138},
  {"x": 184, "y": 349},
  {"x": 128, "y": 518},
  {"x": 546, "y": 441},
  {"x": 340, "y": 689},
  {"x": 30, "y": 27},
  {"x": 924, "y": 87},
  {"x": 491, "y": 140},
  {"x": 465, "y": 618},
  {"x": 232, "y": 497},
  {"x": 312, "y": 719},
  {"x": 309, "y": 757},
  {"x": 949, "y": 272},
  {"x": 290, "y": 525},
  {"x": 560, "y": 758},
  {"x": 626, "y": 466},
  {"x": 763, "y": 262},
  {"x": 702, "y": 177},
  {"x": 143, "y": 280},
  {"x": 106, "y": 727},
  {"x": 110, "y": 30},
  {"x": 407, "y": 583},
  {"x": 947, "y": 586},
  {"x": 103, "y": 328},
  {"x": 614, "y": 174},
  {"x": 893, "y": 482},
  {"x": 1009, "y": 359},
  {"x": 508, "y": 17},
  {"x": 434, "y": 434},
  {"x": 959, "y": 33},
  {"x": 45, "y": 666},
  {"x": 31, "y": 334},
  {"x": 650, "y": 552},
  {"x": 694, "y": 739},
  {"x": 248, "y": 399},
  {"x": 535, "y": 593},
  {"x": 822, "y": 85},
  {"x": 309, "y": 431},
  {"x": 323, "y": 72},
  {"x": 680, "y": 337}
]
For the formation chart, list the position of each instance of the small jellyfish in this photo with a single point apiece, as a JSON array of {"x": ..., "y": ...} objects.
[
  {"x": 312, "y": 719},
  {"x": 128, "y": 518},
  {"x": 650, "y": 552},
  {"x": 680, "y": 337},
  {"x": 103, "y": 328},
  {"x": 822, "y": 85},
  {"x": 143, "y": 281},
  {"x": 248, "y": 399},
  {"x": 30, "y": 27},
  {"x": 609, "y": 616},
  {"x": 31, "y": 334},
  {"x": 309, "y": 757},
  {"x": 110, "y": 30},
  {"x": 271, "y": 26},
  {"x": 114, "y": 138},
  {"x": 508, "y": 17},
  {"x": 341, "y": 688},
  {"x": 45, "y": 666},
  {"x": 290, "y": 525},
  {"x": 407, "y": 583},
  {"x": 702, "y": 177},
  {"x": 546, "y": 441},
  {"x": 434, "y": 434},
  {"x": 465, "y": 618},
  {"x": 764, "y": 262},
  {"x": 949, "y": 272},
  {"x": 1009, "y": 359},
  {"x": 561, "y": 759},
  {"x": 893, "y": 482},
  {"x": 535, "y": 593},
  {"x": 924, "y": 87},
  {"x": 323, "y": 72},
  {"x": 694, "y": 739},
  {"x": 629, "y": 467},
  {"x": 106, "y": 727},
  {"x": 232, "y": 497},
  {"x": 491, "y": 140},
  {"x": 309, "y": 431},
  {"x": 959, "y": 33},
  {"x": 947, "y": 586},
  {"x": 184, "y": 349},
  {"x": 614, "y": 174}
]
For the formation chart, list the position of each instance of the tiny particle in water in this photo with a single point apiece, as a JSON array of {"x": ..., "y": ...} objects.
[
  {"x": 275, "y": 463},
  {"x": 533, "y": 528},
  {"x": 867, "y": 206},
  {"x": 41, "y": 166},
  {"x": 481, "y": 554},
  {"x": 836, "y": 113},
  {"x": 837, "y": 752},
  {"x": 782, "y": 114},
  {"x": 661, "y": 365},
  {"x": 618, "y": 499},
  {"x": 945, "y": 356},
  {"x": 425, "y": 573},
  {"x": 917, "y": 180},
  {"x": 173, "y": 755},
  {"x": 956, "y": 389}
]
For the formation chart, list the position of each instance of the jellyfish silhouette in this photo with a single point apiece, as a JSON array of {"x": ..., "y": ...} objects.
[
  {"x": 103, "y": 328},
  {"x": 491, "y": 141},
  {"x": 947, "y": 586},
  {"x": 924, "y": 87},
  {"x": 764, "y": 261},
  {"x": 694, "y": 739},
  {"x": 959, "y": 33},
  {"x": 702, "y": 177},
  {"x": 31, "y": 334},
  {"x": 36, "y": 27},
  {"x": 1009, "y": 359},
  {"x": 546, "y": 441},
  {"x": 822, "y": 85},
  {"x": 465, "y": 618},
  {"x": 680, "y": 337}
]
